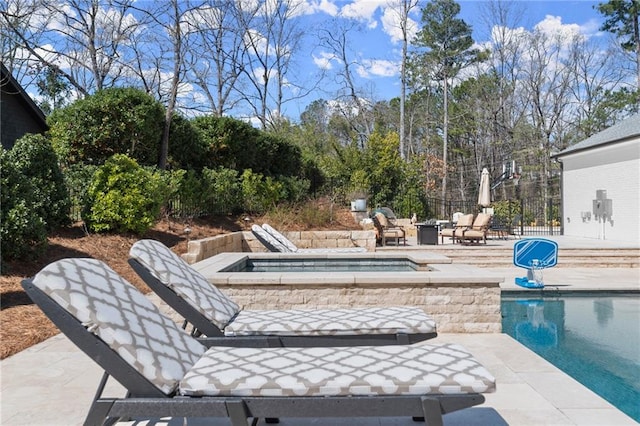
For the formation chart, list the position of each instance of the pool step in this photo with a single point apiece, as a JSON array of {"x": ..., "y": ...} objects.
[{"x": 567, "y": 258}]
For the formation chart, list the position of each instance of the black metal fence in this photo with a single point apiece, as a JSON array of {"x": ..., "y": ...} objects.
[
  {"x": 530, "y": 216},
  {"x": 527, "y": 216},
  {"x": 178, "y": 207}
]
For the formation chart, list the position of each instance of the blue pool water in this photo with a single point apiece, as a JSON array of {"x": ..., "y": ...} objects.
[
  {"x": 593, "y": 338},
  {"x": 326, "y": 265}
]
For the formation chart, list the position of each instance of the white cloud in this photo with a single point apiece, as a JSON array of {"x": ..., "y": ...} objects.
[
  {"x": 256, "y": 41},
  {"x": 308, "y": 7},
  {"x": 591, "y": 28},
  {"x": 553, "y": 26},
  {"x": 377, "y": 68},
  {"x": 324, "y": 60},
  {"x": 363, "y": 10},
  {"x": 391, "y": 24}
]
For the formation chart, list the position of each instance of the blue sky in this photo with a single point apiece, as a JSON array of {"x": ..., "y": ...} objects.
[
  {"x": 375, "y": 49},
  {"x": 378, "y": 54}
]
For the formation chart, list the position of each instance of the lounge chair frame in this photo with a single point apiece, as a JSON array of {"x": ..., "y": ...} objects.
[
  {"x": 143, "y": 399},
  {"x": 202, "y": 325}
]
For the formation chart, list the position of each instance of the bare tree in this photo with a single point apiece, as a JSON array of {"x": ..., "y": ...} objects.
[
  {"x": 402, "y": 9},
  {"x": 594, "y": 78},
  {"x": 350, "y": 104},
  {"x": 216, "y": 54},
  {"x": 548, "y": 78},
  {"x": 271, "y": 39},
  {"x": 171, "y": 31},
  {"x": 82, "y": 41},
  {"x": 502, "y": 23}
]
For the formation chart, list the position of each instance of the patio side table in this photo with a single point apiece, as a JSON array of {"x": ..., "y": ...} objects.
[{"x": 427, "y": 234}]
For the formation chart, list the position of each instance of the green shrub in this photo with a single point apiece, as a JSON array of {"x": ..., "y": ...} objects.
[
  {"x": 22, "y": 230},
  {"x": 123, "y": 197},
  {"x": 77, "y": 178},
  {"x": 33, "y": 156},
  {"x": 187, "y": 150},
  {"x": 295, "y": 189},
  {"x": 224, "y": 192},
  {"x": 232, "y": 143},
  {"x": 260, "y": 193},
  {"x": 112, "y": 121},
  {"x": 190, "y": 197}
]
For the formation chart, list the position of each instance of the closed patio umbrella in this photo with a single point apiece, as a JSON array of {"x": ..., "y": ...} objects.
[{"x": 484, "y": 195}]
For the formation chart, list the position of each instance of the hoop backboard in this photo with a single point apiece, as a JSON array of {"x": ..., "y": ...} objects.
[{"x": 525, "y": 252}]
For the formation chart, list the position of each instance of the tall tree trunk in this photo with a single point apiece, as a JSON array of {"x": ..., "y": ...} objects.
[
  {"x": 445, "y": 142},
  {"x": 173, "y": 94}
]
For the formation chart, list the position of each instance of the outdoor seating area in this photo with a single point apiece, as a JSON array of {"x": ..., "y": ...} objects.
[
  {"x": 468, "y": 229},
  {"x": 105, "y": 345}
]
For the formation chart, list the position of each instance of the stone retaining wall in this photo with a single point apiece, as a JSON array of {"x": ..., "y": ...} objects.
[
  {"x": 455, "y": 308},
  {"x": 245, "y": 241},
  {"x": 460, "y": 298}
]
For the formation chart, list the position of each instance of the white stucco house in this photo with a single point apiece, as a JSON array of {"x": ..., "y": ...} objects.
[{"x": 601, "y": 184}]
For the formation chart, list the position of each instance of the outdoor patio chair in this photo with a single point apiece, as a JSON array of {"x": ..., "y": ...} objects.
[
  {"x": 168, "y": 373},
  {"x": 213, "y": 314},
  {"x": 291, "y": 247},
  {"x": 389, "y": 214},
  {"x": 386, "y": 231},
  {"x": 464, "y": 222},
  {"x": 477, "y": 231}
]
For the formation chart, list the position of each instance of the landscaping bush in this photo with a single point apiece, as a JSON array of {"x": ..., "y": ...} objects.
[
  {"x": 22, "y": 230},
  {"x": 112, "y": 121},
  {"x": 77, "y": 178},
  {"x": 33, "y": 156},
  {"x": 187, "y": 149},
  {"x": 123, "y": 197},
  {"x": 224, "y": 192},
  {"x": 232, "y": 143},
  {"x": 259, "y": 193},
  {"x": 295, "y": 189}
]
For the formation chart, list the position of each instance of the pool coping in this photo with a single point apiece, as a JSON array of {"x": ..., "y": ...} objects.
[{"x": 442, "y": 272}]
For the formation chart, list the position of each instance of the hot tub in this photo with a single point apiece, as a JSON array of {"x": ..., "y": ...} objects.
[{"x": 461, "y": 298}]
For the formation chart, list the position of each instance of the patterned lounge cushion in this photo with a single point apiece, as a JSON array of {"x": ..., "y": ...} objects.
[
  {"x": 188, "y": 283},
  {"x": 278, "y": 236},
  {"x": 337, "y": 371},
  {"x": 123, "y": 318},
  {"x": 323, "y": 322},
  {"x": 294, "y": 249},
  {"x": 268, "y": 240}
]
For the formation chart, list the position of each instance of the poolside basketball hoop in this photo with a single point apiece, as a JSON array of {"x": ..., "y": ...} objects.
[{"x": 534, "y": 254}]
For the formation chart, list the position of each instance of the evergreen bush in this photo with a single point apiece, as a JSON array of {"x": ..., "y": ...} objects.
[
  {"x": 22, "y": 230},
  {"x": 123, "y": 197},
  {"x": 112, "y": 121},
  {"x": 33, "y": 156}
]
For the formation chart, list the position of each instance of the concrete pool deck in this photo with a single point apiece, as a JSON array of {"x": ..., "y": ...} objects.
[{"x": 52, "y": 383}]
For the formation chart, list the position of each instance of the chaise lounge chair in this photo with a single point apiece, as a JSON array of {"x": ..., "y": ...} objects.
[
  {"x": 294, "y": 249},
  {"x": 213, "y": 314},
  {"x": 168, "y": 373},
  {"x": 464, "y": 222}
]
